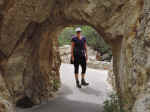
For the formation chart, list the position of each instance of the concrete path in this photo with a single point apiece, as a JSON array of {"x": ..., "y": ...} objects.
[{"x": 72, "y": 99}]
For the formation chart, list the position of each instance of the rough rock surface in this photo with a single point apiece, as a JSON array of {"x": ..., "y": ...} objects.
[
  {"x": 6, "y": 106},
  {"x": 29, "y": 58},
  {"x": 4, "y": 92}
]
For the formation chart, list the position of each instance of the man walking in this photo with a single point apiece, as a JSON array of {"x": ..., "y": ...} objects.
[{"x": 79, "y": 56}]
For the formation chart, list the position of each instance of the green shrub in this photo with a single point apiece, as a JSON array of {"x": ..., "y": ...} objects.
[
  {"x": 112, "y": 104},
  {"x": 56, "y": 85},
  {"x": 65, "y": 36}
]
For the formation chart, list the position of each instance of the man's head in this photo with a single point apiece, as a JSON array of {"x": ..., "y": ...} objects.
[{"x": 78, "y": 31}]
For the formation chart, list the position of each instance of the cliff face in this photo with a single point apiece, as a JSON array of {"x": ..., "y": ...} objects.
[{"x": 29, "y": 57}]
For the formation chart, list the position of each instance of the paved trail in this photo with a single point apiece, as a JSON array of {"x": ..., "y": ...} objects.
[{"x": 72, "y": 99}]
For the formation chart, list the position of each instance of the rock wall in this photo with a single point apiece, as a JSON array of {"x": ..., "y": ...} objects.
[
  {"x": 6, "y": 106},
  {"x": 135, "y": 65},
  {"x": 29, "y": 57}
]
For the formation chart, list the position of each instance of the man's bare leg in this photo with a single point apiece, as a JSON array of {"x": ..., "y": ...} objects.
[
  {"x": 77, "y": 80},
  {"x": 83, "y": 82}
]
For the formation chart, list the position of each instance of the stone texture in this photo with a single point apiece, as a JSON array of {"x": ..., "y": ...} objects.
[
  {"x": 6, "y": 106},
  {"x": 111, "y": 78},
  {"x": 29, "y": 56},
  {"x": 4, "y": 92}
]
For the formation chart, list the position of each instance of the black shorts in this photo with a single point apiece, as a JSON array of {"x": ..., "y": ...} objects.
[{"x": 79, "y": 60}]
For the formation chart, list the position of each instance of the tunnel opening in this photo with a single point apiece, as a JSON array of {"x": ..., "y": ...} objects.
[
  {"x": 63, "y": 88},
  {"x": 50, "y": 43}
]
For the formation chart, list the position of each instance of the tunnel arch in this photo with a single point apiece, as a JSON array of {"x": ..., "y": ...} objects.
[
  {"x": 42, "y": 62},
  {"x": 49, "y": 47}
]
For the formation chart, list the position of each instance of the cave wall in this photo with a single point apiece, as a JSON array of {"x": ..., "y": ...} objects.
[
  {"x": 135, "y": 77},
  {"x": 27, "y": 71},
  {"x": 29, "y": 57}
]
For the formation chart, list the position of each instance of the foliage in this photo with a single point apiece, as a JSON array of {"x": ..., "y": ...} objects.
[
  {"x": 56, "y": 85},
  {"x": 94, "y": 40},
  {"x": 112, "y": 104},
  {"x": 65, "y": 36}
]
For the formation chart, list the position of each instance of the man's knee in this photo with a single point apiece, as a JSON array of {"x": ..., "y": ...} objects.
[
  {"x": 76, "y": 71},
  {"x": 84, "y": 70}
]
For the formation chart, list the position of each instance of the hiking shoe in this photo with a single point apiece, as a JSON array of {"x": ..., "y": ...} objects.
[
  {"x": 78, "y": 84},
  {"x": 84, "y": 83}
]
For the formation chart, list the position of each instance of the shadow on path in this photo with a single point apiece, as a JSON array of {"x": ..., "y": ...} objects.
[
  {"x": 66, "y": 105},
  {"x": 63, "y": 104}
]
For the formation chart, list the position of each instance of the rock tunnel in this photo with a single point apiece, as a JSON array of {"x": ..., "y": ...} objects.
[{"x": 29, "y": 56}]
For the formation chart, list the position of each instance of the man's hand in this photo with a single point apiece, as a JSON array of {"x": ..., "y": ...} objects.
[
  {"x": 72, "y": 58},
  {"x": 86, "y": 57}
]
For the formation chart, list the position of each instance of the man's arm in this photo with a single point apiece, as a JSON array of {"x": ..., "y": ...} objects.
[
  {"x": 72, "y": 48},
  {"x": 86, "y": 51}
]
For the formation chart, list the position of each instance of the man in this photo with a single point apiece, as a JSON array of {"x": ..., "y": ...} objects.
[{"x": 79, "y": 56}]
